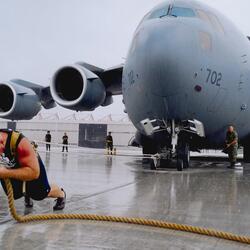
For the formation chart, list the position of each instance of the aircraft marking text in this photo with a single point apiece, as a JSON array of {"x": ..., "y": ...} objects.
[{"x": 214, "y": 77}]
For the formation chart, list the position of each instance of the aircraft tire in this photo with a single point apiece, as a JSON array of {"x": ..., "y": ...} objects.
[
  {"x": 246, "y": 153},
  {"x": 164, "y": 163},
  {"x": 152, "y": 164},
  {"x": 179, "y": 164},
  {"x": 145, "y": 151},
  {"x": 186, "y": 159},
  {"x": 184, "y": 154}
]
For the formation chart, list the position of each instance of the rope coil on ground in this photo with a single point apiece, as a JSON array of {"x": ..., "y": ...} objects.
[{"x": 137, "y": 221}]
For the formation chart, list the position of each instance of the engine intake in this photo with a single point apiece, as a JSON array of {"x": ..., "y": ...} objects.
[
  {"x": 74, "y": 87},
  {"x": 18, "y": 102},
  {"x": 6, "y": 98}
]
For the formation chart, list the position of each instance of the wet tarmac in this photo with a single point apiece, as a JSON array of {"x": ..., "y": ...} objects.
[{"x": 207, "y": 195}]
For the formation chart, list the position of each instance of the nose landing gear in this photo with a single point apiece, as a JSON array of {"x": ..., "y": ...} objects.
[{"x": 180, "y": 135}]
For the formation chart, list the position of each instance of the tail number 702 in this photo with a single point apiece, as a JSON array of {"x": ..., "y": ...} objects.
[{"x": 214, "y": 77}]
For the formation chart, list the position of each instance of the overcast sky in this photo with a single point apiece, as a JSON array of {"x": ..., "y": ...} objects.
[{"x": 39, "y": 36}]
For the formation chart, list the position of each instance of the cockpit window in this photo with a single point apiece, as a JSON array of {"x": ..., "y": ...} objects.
[
  {"x": 182, "y": 12},
  {"x": 159, "y": 13},
  {"x": 171, "y": 11}
]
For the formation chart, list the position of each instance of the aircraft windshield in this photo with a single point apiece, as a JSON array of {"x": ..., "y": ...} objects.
[
  {"x": 182, "y": 12},
  {"x": 159, "y": 13},
  {"x": 170, "y": 11}
]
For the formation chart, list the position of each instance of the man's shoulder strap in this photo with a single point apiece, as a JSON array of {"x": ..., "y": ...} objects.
[{"x": 14, "y": 141}]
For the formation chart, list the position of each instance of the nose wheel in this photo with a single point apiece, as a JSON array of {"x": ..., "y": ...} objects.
[
  {"x": 186, "y": 157},
  {"x": 179, "y": 164},
  {"x": 183, "y": 157}
]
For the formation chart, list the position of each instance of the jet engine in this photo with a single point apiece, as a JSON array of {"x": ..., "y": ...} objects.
[
  {"x": 77, "y": 88},
  {"x": 18, "y": 102}
]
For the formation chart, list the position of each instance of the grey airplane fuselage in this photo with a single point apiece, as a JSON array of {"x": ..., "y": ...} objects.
[{"x": 189, "y": 67}]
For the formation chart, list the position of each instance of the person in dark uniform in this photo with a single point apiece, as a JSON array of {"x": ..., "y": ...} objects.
[
  {"x": 23, "y": 165},
  {"x": 109, "y": 142},
  {"x": 65, "y": 142},
  {"x": 232, "y": 145},
  {"x": 48, "y": 139}
]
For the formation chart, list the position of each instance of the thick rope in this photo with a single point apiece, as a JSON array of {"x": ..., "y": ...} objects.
[{"x": 137, "y": 221}]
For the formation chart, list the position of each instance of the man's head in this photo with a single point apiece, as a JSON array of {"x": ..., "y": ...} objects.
[
  {"x": 48, "y": 132},
  {"x": 65, "y": 133},
  {"x": 230, "y": 129},
  {"x": 109, "y": 133}
]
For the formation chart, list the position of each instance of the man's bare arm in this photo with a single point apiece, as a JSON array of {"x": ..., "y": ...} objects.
[{"x": 29, "y": 166}]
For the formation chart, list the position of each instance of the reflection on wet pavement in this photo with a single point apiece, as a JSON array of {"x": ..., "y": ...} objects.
[{"x": 207, "y": 195}]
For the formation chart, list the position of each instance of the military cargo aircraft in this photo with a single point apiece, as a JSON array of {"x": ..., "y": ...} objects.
[{"x": 185, "y": 79}]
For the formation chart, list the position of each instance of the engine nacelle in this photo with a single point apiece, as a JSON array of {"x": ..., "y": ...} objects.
[
  {"x": 18, "y": 102},
  {"x": 74, "y": 87}
]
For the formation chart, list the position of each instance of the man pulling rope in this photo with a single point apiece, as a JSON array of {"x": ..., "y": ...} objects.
[{"x": 24, "y": 167}]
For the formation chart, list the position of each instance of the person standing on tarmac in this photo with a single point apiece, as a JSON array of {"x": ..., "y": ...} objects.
[
  {"x": 20, "y": 162},
  {"x": 232, "y": 145},
  {"x": 109, "y": 142},
  {"x": 48, "y": 139},
  {"x": 65, "y": 142}
]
